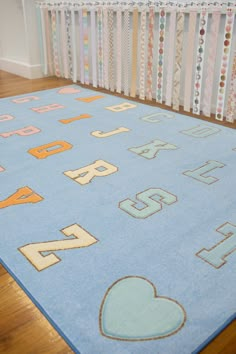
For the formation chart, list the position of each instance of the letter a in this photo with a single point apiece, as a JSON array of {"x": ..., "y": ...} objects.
[
  {"x": 198, "y": 174},
  {"x": 85, "y": 174},
  {"x": 25, "y": 99},
  {"x": 150, "y": 150},
  {"x": 216, "y": 255},
  {"x": 41, "y": 152},
  {"x": 21, "y": 196}
]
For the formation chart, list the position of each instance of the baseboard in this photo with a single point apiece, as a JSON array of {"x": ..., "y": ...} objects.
[{"x": 21, "y": 68}]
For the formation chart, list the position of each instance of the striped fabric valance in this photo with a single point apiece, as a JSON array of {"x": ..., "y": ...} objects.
[{"x": 179, "y": 54}]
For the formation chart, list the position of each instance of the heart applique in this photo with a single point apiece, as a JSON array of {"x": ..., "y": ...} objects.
[
  {"x": 132, "y": 311},
  {"x": 68, "y": 90}
]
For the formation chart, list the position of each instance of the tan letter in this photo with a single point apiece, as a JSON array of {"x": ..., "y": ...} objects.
[
  {"x": 85, "y": 174},
  {"x": 33, "y": 251},
  {"x": 100, "y": 134}
]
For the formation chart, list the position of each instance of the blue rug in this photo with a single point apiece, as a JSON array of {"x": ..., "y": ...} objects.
[{"x": 118, "y": 220}]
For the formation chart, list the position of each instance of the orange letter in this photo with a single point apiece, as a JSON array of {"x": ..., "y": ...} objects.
[
  {"x": 89, "y": 99},
  {"x": 41, "y": 152},
  {"x": 70, "y": 120},
  {"x": 21, "y": 196}
]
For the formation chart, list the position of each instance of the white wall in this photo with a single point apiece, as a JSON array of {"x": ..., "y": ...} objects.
[{"x": 19, "y": 47}]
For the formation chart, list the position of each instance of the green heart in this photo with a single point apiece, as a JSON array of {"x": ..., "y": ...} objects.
[{"x": 132, "y": 311}]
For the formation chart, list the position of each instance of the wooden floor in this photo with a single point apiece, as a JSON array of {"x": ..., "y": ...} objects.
[{"x": 23, "y": 329}]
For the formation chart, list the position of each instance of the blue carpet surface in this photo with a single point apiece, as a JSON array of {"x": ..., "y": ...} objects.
[{"x": 118, "y": 220}]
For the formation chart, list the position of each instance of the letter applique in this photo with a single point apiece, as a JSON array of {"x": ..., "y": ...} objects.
[
  {"x": 198, "y": 174},
  {"x": 5, "y": 117},
  {"x": 89, "y": 99},
  {"x": 43, "y": 151},
  {"x": 151, "y": 117},
  {"x": 70, "y": 120},
  {"x": 150, "y": 150},
  {"x": 216, "y": 256},
  {"x": 33, "y": 251},
  {"x": 152, "y": 205},
  {"x": 68, "y": 90},
  {"x": 25, "y": 99},
  {"x": 100, "y": 134},
  {"x": 23, "y": 195},
  {"x": 121, "y": 107},
  {"x": 201, "y": 131},
  {"x": 2, "y": 169},
  {"x": 30, "y": 130},
  {"x": 85, "y": 174},
  {"x": 50, "y": 107}
]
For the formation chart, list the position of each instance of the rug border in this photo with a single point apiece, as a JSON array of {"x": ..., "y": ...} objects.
[
  {"x": 67, "y": 340},
  {"x": 214, "y": 334},
  {"x": 40, "y": 308}
]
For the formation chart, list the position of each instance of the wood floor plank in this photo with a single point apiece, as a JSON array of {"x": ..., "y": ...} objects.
[{"x": 23, "y": 328}]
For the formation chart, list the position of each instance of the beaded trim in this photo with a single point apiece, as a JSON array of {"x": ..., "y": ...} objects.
[
  {"x": 231, "y": 106},
  {"x": 176, "y": 4},
  {"x": 160, "y": 60},
  {"x": 200, "y": 62},
  {"x": 150, "y": 53},
  {"x": 229, "y": 24},
  {"x": 142, "y": 55}
]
